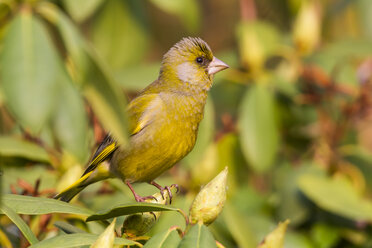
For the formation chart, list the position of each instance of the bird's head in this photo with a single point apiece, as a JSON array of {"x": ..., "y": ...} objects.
[{"x": 190, "y": 62}]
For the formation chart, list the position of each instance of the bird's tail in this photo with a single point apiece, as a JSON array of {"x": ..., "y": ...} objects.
[
  {"x": 101, "y": 172},
  {"x": 67, "y": 194}
]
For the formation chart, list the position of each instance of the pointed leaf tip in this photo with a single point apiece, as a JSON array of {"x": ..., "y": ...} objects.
[
  {"x": 275, "y": 239},
  {"x": 106, "y": 239}
]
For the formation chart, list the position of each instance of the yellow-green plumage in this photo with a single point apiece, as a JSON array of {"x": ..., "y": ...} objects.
[{"x": 164, "y": 119}]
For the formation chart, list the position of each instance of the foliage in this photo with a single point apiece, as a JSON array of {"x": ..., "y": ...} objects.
[{"x": 291, "y": 119}]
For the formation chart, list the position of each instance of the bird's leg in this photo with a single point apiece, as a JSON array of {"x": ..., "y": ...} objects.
[
  {"x": 167, "y": 188},
  {"x": 137, "y": 197}
]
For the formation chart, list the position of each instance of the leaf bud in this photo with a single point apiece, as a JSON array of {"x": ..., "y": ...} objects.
[
  {"x": 209, "y": 202},
  {"x": 139, "y": 224},
  {"x": 306, "y": 33}
]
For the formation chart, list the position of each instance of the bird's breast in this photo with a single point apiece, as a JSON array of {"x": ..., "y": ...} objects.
[{"x": 184, "y": 114}]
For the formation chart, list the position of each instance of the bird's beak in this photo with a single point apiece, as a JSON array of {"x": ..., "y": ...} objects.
[{"x": 216, "y": 65}]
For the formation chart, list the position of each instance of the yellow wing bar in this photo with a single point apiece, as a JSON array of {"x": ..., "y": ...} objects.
[{"x": 101, "y": 157}]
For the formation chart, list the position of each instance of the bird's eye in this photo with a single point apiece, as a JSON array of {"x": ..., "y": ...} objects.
[{"x": 199, "y": 60}]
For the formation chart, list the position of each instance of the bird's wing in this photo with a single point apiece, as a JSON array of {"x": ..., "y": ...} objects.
[
  {"x": 105, "y": 149},
  {"x": 142, "y": 110}
]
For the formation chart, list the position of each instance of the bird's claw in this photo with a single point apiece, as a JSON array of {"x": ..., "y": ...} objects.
[
  {"x": 167, "y": 188},
  {"x": 176, "y": 186}
]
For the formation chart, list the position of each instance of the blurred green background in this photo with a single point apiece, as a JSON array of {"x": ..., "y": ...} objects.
[{"x": 291, "y": 118}]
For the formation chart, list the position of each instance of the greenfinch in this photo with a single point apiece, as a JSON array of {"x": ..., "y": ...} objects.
[{"x": 164, "y": 120}]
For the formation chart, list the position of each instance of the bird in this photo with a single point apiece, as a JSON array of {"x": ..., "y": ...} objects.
[{"x": 163, "y": 122}]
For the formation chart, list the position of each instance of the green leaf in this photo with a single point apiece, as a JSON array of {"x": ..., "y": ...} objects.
[
  {"x": 170, "y": 219},
  {"x": 364, "y": 8},
  {"x": 130, "y": 209},
  {"x": 30, "y": 174},
  {"x": 13, "y": 147},
  {"x": 70, "y": 121},
  {"x": 229, "y": 153},
  {"x": 344, "y": 49},
  {"x": 99, "y": 87},
  {"x": 361, "y": 158},
  {"x": 190, "y": 19},
  {"x": 166, "y": 239},
  {"x": 106, "y": 99},
  {"x": 13, "y": 216},
  {"x": 324, "y": 235},
  {"x": 29, "y": 64},
  {"x": 198, "y": 236},
  {"x": 118, "y": 36},
  {"x": 36, "y": 205},
  {"x": 297, "y": 239},
  {"x": 71, "y": 37},
  {"x": 291, "y": 205},
  {"x": 206, "y": 168},
  {"x": 67, "y": 227},
  {"x": 336, "y": 195},
  {"x": 137, "y": 77},
  {"x": 81, "y": 9},
  {"x": 337, "y": 59},
  {"x": 239, "y": 227},
  {"x": 258, "y": 127},
  {"x": 76, "y": 240},
  {"x": 106, "y": 239}
]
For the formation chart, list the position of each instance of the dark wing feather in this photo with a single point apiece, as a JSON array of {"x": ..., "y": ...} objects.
[{"x": 104, "y": 151}]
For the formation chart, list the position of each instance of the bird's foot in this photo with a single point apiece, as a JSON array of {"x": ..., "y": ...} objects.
[
  {"x": 143, "y": 198},
  {"x": 139, "y": 198},
  {"x": 167, "y": 188}
]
